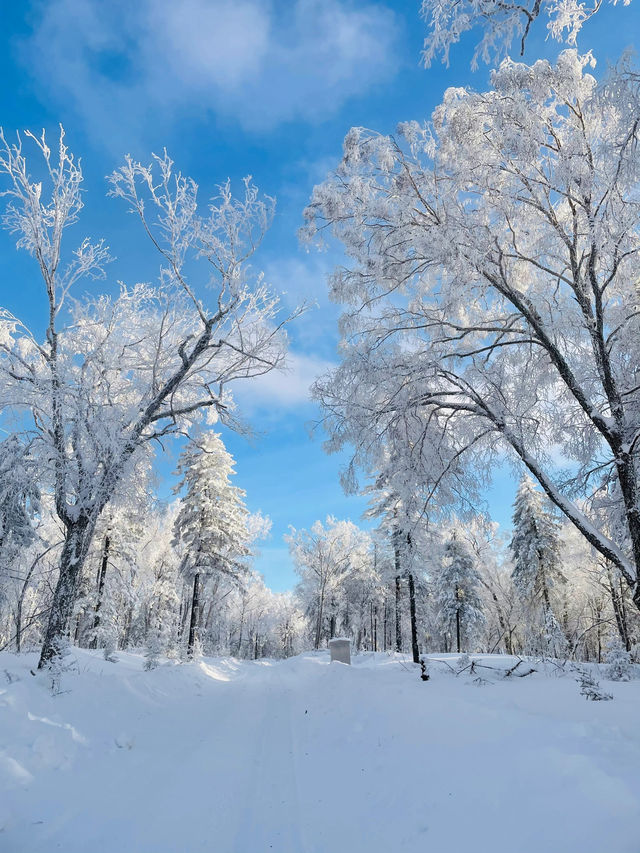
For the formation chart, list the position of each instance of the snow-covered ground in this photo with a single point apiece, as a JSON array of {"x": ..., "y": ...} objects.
[{"x": 304, "y": 756}]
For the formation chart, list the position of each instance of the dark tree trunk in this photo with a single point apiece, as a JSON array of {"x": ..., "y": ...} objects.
[
  {"x": 319, "y": 619},
  {"x": 74, "y": 552},
  {"x": 616, "y": 591},
  {"x": 195, "y": 614},
  {"x": 414, "y": 626},
  {"x": 20, "y": 608},
  {"x": 385, "y": 620},
  {"x": 185, "y": 611},
  {"x": 101, "y": 580},
  {"x": 398, "y": 616},
  {"x": 458, "y": 629},
  {"x": 18, "y": 621},
  {"x": 244, "y": 605}
]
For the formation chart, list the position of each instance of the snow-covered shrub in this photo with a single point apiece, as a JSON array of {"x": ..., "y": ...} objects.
[
  {"x": 618, "y": 666},
  {"x": 463, "y": 662}
]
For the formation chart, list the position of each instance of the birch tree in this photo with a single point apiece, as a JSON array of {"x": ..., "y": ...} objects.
[{"x": 117, "y": 373}]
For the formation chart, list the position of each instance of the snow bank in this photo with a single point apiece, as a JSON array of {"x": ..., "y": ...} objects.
[{"x": 302, "y": 756}]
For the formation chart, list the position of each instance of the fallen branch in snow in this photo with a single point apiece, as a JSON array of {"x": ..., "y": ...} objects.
[
  {"x": 512, "y": 671},
  {"x": 590, "y": 688},
  {"x": 506, "y": 673}
]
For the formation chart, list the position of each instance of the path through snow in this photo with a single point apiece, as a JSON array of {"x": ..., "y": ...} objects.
[{"x": 303, "y": 756}]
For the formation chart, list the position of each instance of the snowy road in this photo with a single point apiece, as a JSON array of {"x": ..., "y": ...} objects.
[{"x": 306, "y": 757}]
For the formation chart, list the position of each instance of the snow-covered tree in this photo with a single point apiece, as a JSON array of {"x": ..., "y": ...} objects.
[
  {"x": 535, "y": 548},
  {"x": 618, "y": 666},
  {"x": 535, "y": 545},
  {"x": 115, "y": 373},
  {"x": 213, "y": 521},
  {"x": 19, "y": 499},
  {"x": 456, "y": 589},
  {"x": 324, "y": 557},
  {"x": 402, "y": 520},
  {"x": 501, "y": 24},
  {"x": 495, "y": 249}
]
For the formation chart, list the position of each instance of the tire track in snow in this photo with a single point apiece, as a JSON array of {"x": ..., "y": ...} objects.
[{"x": 272, "y": 819}]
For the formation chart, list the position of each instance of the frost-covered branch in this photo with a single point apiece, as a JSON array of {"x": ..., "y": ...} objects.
[
  {"x": 503, "y": 24},
  {"x": 490, "y": 302}
]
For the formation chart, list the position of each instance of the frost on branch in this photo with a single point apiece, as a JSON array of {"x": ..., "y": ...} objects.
[
  {"x": 118, "y": 374},
  {"x": 503, "y": 25},
  {"x": 490, "y": 296}
]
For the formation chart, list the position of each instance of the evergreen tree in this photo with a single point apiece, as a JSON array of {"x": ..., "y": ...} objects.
[
  {"x": 457, "y": 591},
  {"x": 535, "y": 545},
  {"x": 212, "y": 523}
]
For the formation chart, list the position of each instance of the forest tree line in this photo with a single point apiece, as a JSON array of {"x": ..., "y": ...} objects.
[{"x": 489, "y": 313}]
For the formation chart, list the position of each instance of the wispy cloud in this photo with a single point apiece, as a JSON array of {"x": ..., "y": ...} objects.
[
  {"x": 282, "y": 390},
  {"x": 257, "y": 62}
]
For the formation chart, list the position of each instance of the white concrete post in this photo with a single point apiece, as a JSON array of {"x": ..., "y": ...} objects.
[{"x": 340, "y": 650}]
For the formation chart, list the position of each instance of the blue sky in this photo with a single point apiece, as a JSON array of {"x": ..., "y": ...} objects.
[{"x": 262, "y": 87}]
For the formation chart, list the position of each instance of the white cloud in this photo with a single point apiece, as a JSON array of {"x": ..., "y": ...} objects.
[
  {"x": 260, "y": 62},
  {"x": 281, "y": 390}
]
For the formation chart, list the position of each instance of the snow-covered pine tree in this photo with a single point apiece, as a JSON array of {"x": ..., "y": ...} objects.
[
  {"x": 535, "y": 545},
  {"x": 457, "y": 591},
  {"x": 212, "y": 523}
]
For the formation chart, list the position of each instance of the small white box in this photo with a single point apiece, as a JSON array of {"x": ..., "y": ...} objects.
[{"x": 340, "y": 650}]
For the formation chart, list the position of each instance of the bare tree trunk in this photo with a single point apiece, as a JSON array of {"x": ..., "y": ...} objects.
[
  {"x": 195, "y": 613},
  {"x": 319, "y": 620},
  {"x": 507, "y": 632},
  {"x": 458, "y": 629},
  {"x": 101, "y": 580},
  {"x": 184, "y": 610},
  {"x": 616, "y": 590},
  {"x": 385, "y": 621},
  {"x": 414, "y": 627},
  {"x": 18, "y": 621},
  {"x": 244, "y": 605},
  {"x": 398, "y": 623},
  {"x": 74, "y": 552},
  {"x": 22, "y": 596}
]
